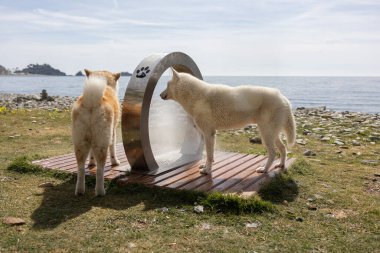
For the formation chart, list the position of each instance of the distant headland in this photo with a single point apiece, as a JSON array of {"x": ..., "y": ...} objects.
[{"x": 41, "y": 69}]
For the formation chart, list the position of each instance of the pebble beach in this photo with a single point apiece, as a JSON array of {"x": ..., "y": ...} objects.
[{"x": 34, "y": 101}]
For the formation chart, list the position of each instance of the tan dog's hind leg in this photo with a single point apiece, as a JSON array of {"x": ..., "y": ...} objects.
[
  {"x": 209, "y": 137},
  {"x": 114, "y": 160},
  {"x": 81, "y": 153},
  {"x": 100, "y": 156}
]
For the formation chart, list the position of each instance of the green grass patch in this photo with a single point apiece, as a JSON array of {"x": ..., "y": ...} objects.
[
  {"x": 282, "y": 187},
  {"x": 229, "y": 203},
  {"x": 24, "y": 165},
  {"x": 301, "y": 167}
]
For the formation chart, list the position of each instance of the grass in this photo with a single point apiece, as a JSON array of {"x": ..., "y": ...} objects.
[{"x": 134, "y": 218}]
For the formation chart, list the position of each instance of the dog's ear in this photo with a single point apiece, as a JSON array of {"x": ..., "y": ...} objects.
[
  {"x": 175, "y": 74},
  {"x": 88, "y": 72},
  {"x": 116, "y": 76}
]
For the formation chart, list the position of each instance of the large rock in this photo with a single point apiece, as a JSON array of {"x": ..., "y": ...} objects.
[
  {"x": 13, "y": 221},
  {"x": 255, "y": 140}
]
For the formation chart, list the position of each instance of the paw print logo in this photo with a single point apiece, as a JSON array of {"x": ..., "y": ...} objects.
[{"x": 141, "y": 73}]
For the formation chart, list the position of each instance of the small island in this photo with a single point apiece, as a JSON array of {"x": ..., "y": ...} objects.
[
  {"x": 125, "y": 74},
  {"x": 79, "y": 73},
  {"x": 40, "y": 69},
  {"x": 4, "y": 71}
]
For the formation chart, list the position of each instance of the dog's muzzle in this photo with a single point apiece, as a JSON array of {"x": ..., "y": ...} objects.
[{"x": 164, "y": 95}]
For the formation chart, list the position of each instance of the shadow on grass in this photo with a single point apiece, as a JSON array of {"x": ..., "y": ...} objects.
[
  {"x": 59, "y": 203},
  {"x": 281, "y": 187}
]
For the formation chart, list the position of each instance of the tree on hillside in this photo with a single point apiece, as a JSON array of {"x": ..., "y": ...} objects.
[
  {"x": 4, "y": 71},
  {"x": 44, "y": 69}
]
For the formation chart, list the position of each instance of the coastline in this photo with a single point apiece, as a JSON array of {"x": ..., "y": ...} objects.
[
  {"x": 13, "y": 101},
  {"x": 339, "y": 94}
]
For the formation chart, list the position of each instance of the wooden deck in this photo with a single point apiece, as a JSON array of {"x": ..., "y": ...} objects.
[{"x": 231, "y": 173}]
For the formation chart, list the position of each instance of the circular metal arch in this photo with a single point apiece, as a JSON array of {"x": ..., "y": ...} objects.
[{"x": 136, "y": 105}]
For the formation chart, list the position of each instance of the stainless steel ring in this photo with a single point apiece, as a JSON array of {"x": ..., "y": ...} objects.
[{"x": 136, "y": 105}]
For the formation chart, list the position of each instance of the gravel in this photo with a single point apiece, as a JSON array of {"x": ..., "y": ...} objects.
[{"x": 34, "y": 101}]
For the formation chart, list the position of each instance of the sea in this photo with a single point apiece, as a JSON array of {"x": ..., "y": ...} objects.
[{"x": 356, "y": 94}]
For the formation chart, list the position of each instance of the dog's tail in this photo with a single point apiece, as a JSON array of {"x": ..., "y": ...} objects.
[
  {"x": 290, "y": 128},
  {"x": 93, "y": 91}
]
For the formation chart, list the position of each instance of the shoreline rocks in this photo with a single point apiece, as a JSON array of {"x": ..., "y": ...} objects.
[
  {"x": 340, "y": 129},
  {"x": 35, "y": 101}
]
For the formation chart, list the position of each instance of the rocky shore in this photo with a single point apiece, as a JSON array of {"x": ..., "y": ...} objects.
[
  {"x": 35, "y": 101},
  {"x": 344, "y": 131}
]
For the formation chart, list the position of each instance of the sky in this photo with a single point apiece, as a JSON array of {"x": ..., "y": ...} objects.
[{"x": 240, "y": 37}]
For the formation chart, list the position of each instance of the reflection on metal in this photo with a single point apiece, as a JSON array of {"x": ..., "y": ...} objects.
[{"x": 135, "y": 116}]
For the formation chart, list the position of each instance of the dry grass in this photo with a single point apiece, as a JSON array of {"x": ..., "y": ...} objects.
[{"x": 131, "y": 219}]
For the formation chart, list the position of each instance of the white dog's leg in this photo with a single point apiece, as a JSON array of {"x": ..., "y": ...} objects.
[
  {"x": 282, "y": 150},
  {"x": 268, "y": 139},
  {"x": 271, "y": 157},
  {"x": 114, "y": 160},
  {"x": 92, "y": 159},
  {"x": 81, "y": 153},
  {"x": 101, "y": 156},
  {"x": 209, "y": 137}
]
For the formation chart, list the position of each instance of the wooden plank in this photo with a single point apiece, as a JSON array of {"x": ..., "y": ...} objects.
[
  {"x": 71, "y": 164},
  {"x": 220, "y": 157},
  {"x": 247, "y": 179},
  {"x": 130, "y": 178},
  {"x": 231, "y": 173},
  {"x": 55, "y": 158},
  {"x": 263, "y": 178},
  {"x": 237, "y": 178},
  {"x": 193, "y": 173},
  {"x": 224, "y": 175},
  {"x": 150, "y": 179},
  {"x": 200, "y": 179},
  {"x": 71, "y": 161},
  {"x": 58, "y": 159}
]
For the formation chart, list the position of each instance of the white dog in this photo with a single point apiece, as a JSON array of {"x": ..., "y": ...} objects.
[
  {"x": 94, "y": 117},
  {"x": 216, "y": 107}
]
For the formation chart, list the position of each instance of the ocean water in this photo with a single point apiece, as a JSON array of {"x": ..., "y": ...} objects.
[{"x": 359, "y": 94}]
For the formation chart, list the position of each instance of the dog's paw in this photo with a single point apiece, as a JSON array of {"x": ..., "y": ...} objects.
[
  {"x": 261, "y": 170},
  {"x": 280, "y": 165},
  {"x": 80, "y": 187},
  {"x": 204, "y": 170},
  {"x": 115, "y": 161},
  {"x": 99, "y": 191},
  {"x": 79, "y": 191}
]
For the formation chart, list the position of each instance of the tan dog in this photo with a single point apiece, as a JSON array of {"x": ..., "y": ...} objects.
[
  {"x": 94, "y": 119},
  {"x": 216, "y": 107}
]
